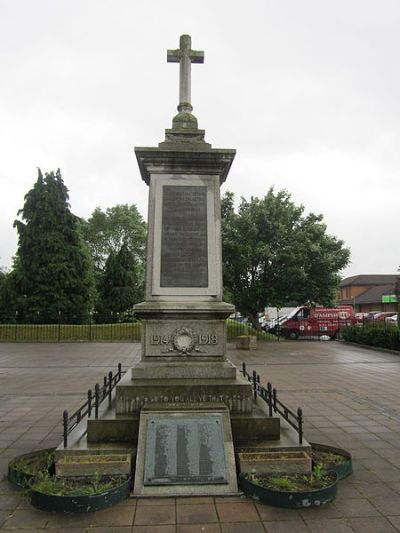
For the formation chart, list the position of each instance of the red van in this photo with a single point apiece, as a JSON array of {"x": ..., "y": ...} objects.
[{"x": 317, "y": 321}]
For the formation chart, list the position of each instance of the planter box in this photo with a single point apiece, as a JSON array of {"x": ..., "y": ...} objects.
[
  {"x": 91, "y": 465},
  {"x": 275, "y": 462},
  {"x": 246, "y": 342}
]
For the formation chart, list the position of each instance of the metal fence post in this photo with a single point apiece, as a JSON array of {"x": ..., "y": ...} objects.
[
  {"x": 300, "y": 421},
  {"x": 104, "y": 387},
  {"x": 244, "y": 369},
  {"x": 110, "y": 378},
  {"x": 255, "y": 384},
  {"x": 269, "y": 388},
  {"x": 65, "y": 428},
  {"x": 96, "y": 400},
  {"x": 89, "y": 400},
  {"x": 119, "y": 371},
  {"x": 274, "y": 397}
]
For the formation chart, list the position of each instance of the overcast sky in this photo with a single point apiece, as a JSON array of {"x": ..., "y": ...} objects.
[{"x": 306, "y": 91}]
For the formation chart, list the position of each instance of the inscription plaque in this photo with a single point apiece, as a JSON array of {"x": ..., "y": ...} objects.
[
  {"x": 185, "y": 451},
  {"x": 184, "y": 244}
]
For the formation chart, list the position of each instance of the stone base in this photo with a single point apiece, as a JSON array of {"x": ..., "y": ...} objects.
[
  {"x": 114, "y": 428},
  {"x": 254, "y": 426},
  {"x": 133, "y": 394},
  {"x": 185, "y": 332},
  {"x": 177, "y": 370}
]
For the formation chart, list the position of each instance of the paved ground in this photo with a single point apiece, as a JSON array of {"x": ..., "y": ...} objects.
[{"x": 350, "y": 397}]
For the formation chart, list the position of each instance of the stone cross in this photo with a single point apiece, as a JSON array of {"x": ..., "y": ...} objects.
[{"x": 185, "y": 57}]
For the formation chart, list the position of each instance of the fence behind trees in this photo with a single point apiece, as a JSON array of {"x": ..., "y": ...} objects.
[{"x": 93, "y": 328}]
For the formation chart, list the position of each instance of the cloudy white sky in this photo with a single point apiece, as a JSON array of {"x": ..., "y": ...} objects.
[{"x": 306, "y": 91}]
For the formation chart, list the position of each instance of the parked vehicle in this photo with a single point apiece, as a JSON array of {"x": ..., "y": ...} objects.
[
  {"x": 383, "y": 316},
  {"x": 393, "y": 319},
  {"x": 273, "y": 325},
  {"x": 317, "y": 321}
]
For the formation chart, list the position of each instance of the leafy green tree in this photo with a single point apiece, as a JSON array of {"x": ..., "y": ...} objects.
[
  {"x": 53, "y": 270},
  {"x": 119, "y": 288},
  {"x": 274, "y": 254},
  {"x": 4, "y": 303},
  {"x": 106, "y": 231},
  {"x": 397, "y": 293}
]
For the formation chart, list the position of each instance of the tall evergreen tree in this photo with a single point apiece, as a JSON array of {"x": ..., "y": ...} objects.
[
  {"x": 120, "y": 287},
  {"x": 53, "y": 271}
]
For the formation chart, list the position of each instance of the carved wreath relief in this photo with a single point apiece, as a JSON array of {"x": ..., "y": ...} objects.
[{"x": 184, "y": 340}]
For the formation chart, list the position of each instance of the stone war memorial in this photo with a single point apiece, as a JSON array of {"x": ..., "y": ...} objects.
[
  {"x": 184, "y": 407},
  {"x": 183, "y": 416}
]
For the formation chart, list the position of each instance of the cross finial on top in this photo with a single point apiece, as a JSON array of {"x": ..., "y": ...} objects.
[{"x": 185, "y": 57}]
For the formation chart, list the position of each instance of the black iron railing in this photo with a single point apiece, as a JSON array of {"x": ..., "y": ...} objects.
[
  {"x": 270, "y": 396},
  {"x": 93, "y": 402}
]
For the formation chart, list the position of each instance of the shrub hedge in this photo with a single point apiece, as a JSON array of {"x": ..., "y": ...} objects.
[{"x": 379, "y": 335}]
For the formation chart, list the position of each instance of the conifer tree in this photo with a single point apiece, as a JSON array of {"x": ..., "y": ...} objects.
[
  {"x": 53, "y": 271},
  {"x": 120, "y": 286}
]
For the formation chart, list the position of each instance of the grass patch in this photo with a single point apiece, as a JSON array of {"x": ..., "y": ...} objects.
[{"x": 56, "y": 486}]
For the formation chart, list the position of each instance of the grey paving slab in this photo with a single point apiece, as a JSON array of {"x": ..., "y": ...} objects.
[{"x": 350, "y": 397}]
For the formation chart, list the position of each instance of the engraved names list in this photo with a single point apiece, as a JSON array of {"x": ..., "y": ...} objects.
[{"x": 184, "y": 250}]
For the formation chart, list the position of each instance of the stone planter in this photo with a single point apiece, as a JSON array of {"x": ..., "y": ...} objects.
[
  {"x": 82, "y": 504},
  {"x": 336, "y": 459},
  {"x": 293, "y": 500},
  {"x": 91, "y": 465},
  {"x": 296, "y": 462},
  {"x": 246, "y": 342}
]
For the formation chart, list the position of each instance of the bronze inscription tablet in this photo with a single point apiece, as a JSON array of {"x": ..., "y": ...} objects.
[{"x": 184, "y": 250}]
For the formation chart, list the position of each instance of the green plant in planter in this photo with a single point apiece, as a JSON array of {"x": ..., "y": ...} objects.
[
  {"x": 282, "y": 483},
  {"x": 75, "y": 487},
  {"x": 35, "y": 464},
  {"x": 251, "y": 475},
  {"x": 317, "y": 474}
]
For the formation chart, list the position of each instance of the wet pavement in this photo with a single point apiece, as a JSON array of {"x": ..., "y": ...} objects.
[{"x": 350, "y": 397}]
